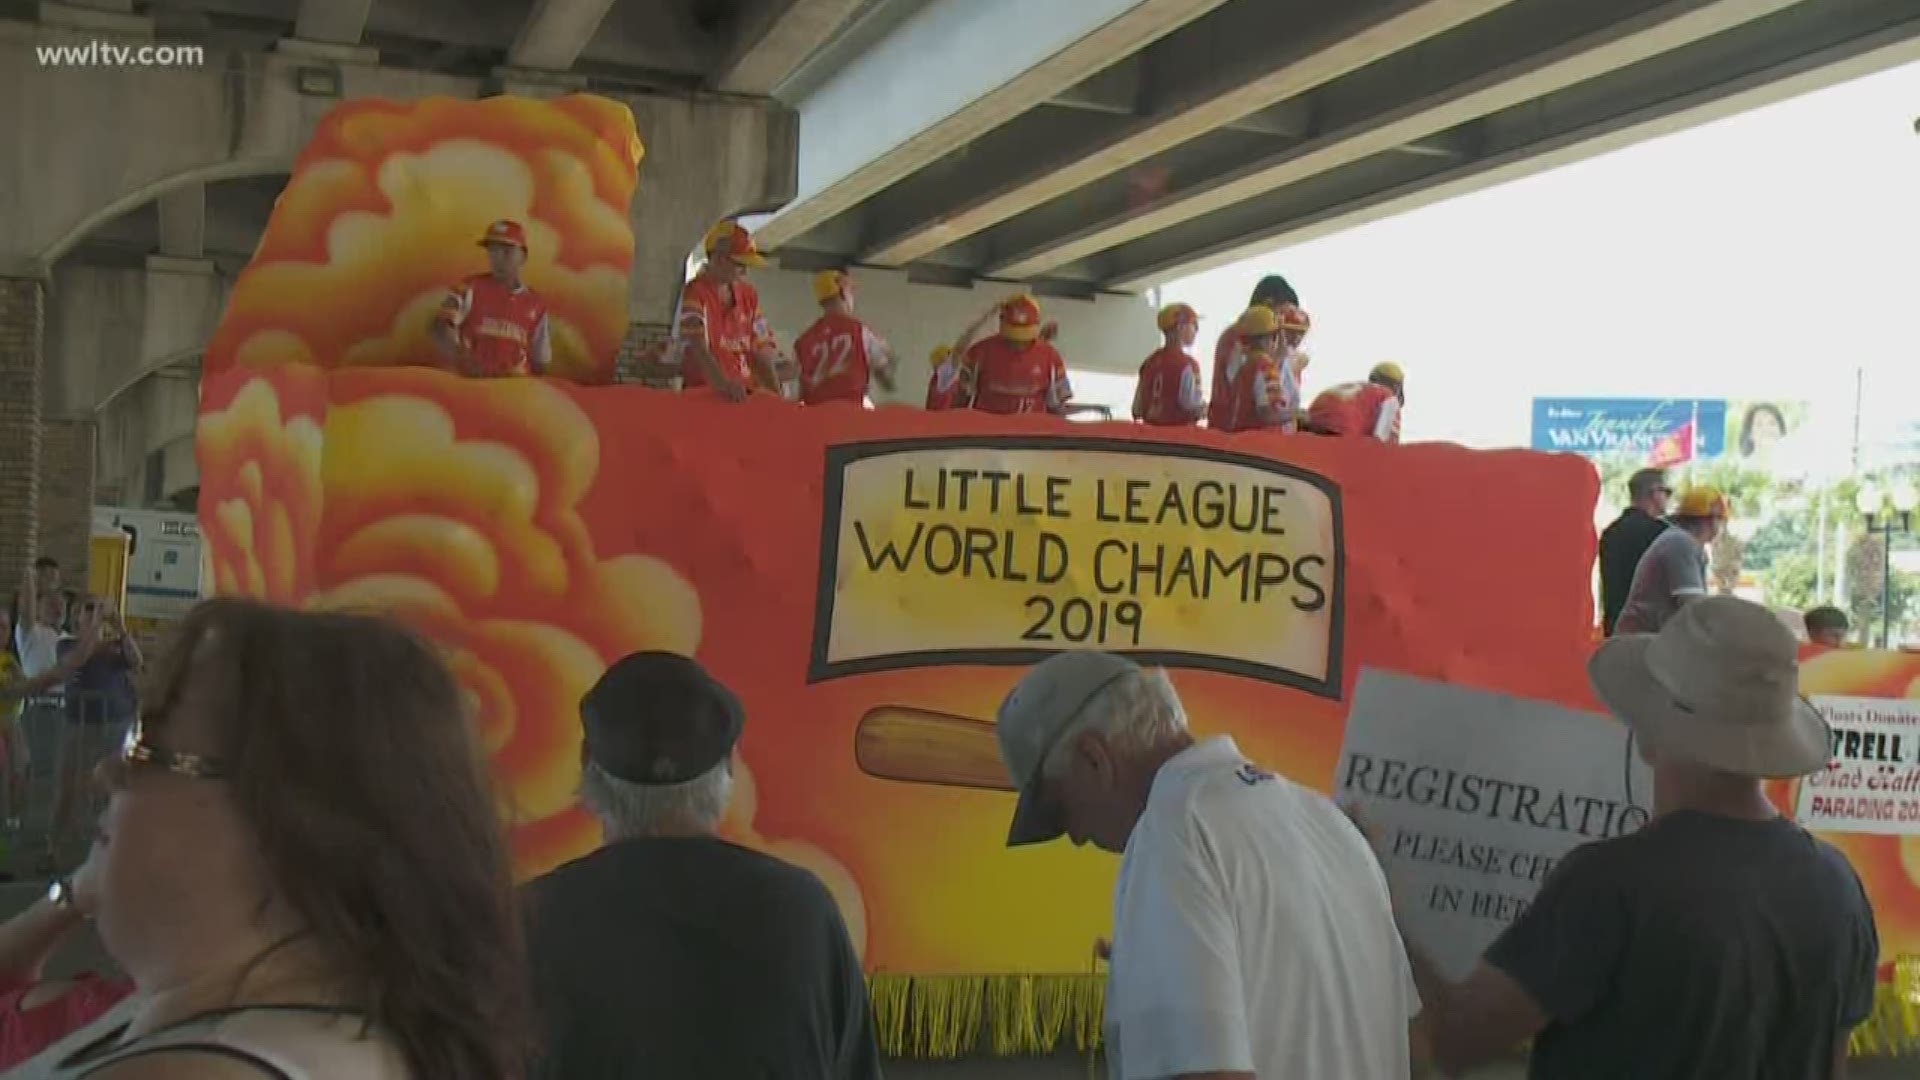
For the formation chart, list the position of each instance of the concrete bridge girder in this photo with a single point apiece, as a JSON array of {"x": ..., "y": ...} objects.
[{"x": 241, "y": 114}]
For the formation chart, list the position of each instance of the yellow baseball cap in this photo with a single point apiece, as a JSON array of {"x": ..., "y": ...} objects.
[
  {"x": 828, "y": 284},
  {"x": 939, "y": 356},
  {"x": 1257, "y": 321},
  {"x": 1388, "y": 371},
  {"x": 1702, "y": 502},
  {"x": 730, "y": 239},
  {"x": 1176, "y": 314},
  {"x": 1020, "y": 319}
]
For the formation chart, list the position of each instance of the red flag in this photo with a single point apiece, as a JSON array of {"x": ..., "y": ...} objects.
[{"x": 1675, "y": 449}]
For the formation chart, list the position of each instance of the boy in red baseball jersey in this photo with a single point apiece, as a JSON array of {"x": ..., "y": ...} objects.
[
  {"x": 1368, "y": 410},
  {"x": 1257, "y": 397},
  {"x": 492, "y": 324},
  {"x": 839, "y": 352},
  {"x": 1015, "y": 371},
  {"x": 720, "y": 339},
  {"x": 1168, "y": 391}
]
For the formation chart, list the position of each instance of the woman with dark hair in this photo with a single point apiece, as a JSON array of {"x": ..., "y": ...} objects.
[
  {"x": 300, "y": 867},
  {"x": 1763, "y": 426}
]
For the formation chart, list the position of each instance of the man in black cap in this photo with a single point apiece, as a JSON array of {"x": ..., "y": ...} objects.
[{"x": 671, "y": 952}]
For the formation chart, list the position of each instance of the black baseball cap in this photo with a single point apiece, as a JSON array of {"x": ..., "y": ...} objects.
[{"x": 658, "y": 718}]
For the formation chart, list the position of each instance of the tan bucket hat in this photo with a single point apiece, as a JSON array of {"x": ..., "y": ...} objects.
[{"x": 1718, "y": 685}]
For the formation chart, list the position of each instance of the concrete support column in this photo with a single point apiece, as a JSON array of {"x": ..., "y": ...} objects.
[
  {"x": 66, "y": 494},
  {"x": 183, "y": 222},
  {"x": 22, "y": 325}
]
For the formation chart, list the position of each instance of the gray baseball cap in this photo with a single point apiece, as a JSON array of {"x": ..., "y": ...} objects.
[{"x": 1031, "y": 720}]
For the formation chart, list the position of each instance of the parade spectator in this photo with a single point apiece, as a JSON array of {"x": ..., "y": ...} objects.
[
  {"x": 1257, "y": 395},
  {"x": 671, "y": 952},
  {"x": 36, "y": 1012},
  {"x": 1167, "y": 393},
  {"x": 1827, "y": 626},
  {"x": 1015, "y": 371},
  {"x": 721, "y": 339},
  {"x": 1271, "y": 292},
  {"x": 1673, "y": 571},
  {"x": 493, "y": 325},
  {"x": 1253, "y": 934},
  {"x": 1627, "y": 538},
  {"x": 1721, "y": 939},
  {"x": 839, "y": 354},
  {"x": 100, "y": 704},
  {"x": 300, "y": 867},
  {"x": 16, "y": 689},
  {"x": 41, "y": 619}
]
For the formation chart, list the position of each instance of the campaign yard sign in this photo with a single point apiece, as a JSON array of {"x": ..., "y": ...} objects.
[
  {"x": 1477, "y": 795},
  {"x": 1872, "y": 781}
]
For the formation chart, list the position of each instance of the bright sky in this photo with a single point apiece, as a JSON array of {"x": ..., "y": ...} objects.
[{"x": 1763, "y": 256}]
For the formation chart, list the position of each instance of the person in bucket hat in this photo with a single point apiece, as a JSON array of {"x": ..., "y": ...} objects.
[
  {"x": 1252, "y": 929},
  {"x": 1720, "y": 939}
]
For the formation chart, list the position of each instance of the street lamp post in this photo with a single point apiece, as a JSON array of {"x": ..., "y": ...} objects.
[{"x": 1887, "y": 512}]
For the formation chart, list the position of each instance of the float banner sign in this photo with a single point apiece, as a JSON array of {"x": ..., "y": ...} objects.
[
  {"x": 1477, "y": 796},
  {"x": 1872, "y": 782},
  {"x": 1597, "y": 427},
  {"x": 998, "y": 551}
]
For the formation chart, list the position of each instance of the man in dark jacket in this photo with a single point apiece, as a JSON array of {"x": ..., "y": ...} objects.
[
  {"x": 1624, "y": 541},
  {"x": 670, "y": 952}
]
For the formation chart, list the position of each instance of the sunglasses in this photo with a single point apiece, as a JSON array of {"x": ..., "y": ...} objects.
[{"x": 136, "y": 750}]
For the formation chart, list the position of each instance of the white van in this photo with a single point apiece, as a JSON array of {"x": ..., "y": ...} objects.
[{"x": 166, "y": 572}]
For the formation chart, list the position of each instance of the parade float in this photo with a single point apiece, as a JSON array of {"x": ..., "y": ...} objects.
[{"x": 870, "y": 582}]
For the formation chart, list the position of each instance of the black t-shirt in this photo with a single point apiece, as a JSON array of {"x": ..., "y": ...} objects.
[
  {"x": 1700, "y": 946},
  {"x": 1621, "y": 545},
  {"x": 693, "y": 958}
]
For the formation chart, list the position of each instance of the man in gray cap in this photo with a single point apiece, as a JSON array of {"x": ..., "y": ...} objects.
[
  {"x": 1719, "y": 940},
  {"x": 1252, "y": 931},
  {"x": 671, "y": 952}
]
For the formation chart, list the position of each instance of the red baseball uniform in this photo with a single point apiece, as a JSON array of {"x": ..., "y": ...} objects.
[
  {"x": 945, "y": 389},
  {"x": 1256, "y": 395},
  {"x": 837, "y": 354},
  {"x": 1363, "y": 409},
  {"x": 732, "y": 328},
  {"x": 503, "y": 330},
  {"x": 1168, "y": 392},
  {"x": 1009, "y": 377},
  {"x": 1226, "y": 353}
]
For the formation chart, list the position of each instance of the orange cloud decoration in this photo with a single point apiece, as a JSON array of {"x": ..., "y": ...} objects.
[
  {"x": 385, "y": 208},
  {"x": 258, "y": 444},
  {"x": 454, "y": 504}
]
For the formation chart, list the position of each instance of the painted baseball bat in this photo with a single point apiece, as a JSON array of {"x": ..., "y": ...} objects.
[{"x": 895, "y": 742}]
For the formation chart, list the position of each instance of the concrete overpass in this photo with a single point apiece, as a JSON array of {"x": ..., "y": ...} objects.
[{"x": 1088, "y": 149}]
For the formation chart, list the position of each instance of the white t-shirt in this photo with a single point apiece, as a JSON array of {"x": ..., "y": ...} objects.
[
  {"x": 39, "y": 648},
  {"x": 1252, "y": 932}
]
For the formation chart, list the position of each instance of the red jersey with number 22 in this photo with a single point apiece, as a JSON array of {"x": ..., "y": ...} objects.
[{"x": 836, "y": 359}]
